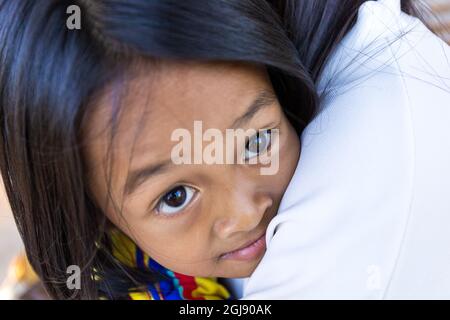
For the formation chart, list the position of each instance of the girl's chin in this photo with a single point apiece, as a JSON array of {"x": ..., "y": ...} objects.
[{"x": 237, "y": 269}]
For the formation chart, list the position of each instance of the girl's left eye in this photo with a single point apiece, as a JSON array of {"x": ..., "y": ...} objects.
[
  {"x": 258, "y": 143},
  {"x": 175, "y": 200}
]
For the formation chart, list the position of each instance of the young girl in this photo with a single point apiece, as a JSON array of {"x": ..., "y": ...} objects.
[{"x": 87, "y": 121}]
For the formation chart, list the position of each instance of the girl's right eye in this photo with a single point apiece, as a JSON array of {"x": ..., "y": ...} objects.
[{"x": 175, "y": 200}]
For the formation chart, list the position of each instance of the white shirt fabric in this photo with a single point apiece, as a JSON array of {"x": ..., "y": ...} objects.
[{"x": 367, "y": 212}]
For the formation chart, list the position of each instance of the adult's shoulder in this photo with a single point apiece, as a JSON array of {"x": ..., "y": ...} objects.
[{"x": 349, "y": 222}]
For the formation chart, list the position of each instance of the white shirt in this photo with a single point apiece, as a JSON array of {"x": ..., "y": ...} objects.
[{"x": 367, "y": 212}]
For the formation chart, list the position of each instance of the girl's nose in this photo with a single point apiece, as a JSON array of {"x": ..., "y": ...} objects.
[{"x": 243, "y": 213}]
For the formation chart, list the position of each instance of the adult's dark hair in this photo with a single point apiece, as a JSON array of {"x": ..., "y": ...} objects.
[{"x": 49, "y": 74}]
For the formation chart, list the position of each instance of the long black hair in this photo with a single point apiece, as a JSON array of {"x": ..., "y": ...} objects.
[{"x": 50, "y": 74}]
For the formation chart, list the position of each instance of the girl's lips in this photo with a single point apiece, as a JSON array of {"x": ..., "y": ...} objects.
[{"x": 250, "y": 252}]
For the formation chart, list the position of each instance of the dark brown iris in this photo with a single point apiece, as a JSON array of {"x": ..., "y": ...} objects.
[{"x": 175, "y": 197}]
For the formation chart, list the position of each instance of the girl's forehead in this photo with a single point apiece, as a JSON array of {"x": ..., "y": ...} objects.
[
  {"x": 153, "y": 104},
  {"x": 142, "y": 112}
]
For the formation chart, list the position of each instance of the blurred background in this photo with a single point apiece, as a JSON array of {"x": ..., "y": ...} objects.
[{"x": 10, "y": 243}]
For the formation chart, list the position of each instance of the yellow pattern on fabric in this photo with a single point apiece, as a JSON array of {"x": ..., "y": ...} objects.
[{"x": 210, "y": 289}]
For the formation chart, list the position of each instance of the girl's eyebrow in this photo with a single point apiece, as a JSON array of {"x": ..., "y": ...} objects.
[
  {"x": 138, "y": 176},
  {"x": 264, "y": 99}
]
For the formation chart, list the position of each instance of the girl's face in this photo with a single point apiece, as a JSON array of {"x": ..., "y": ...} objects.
[{"x": 191, "y": 218}]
